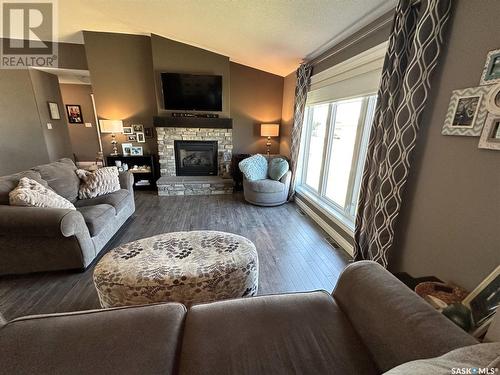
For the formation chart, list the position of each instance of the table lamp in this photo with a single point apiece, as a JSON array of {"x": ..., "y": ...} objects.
[
  {"x": 269, "y": 130},
  {"x": 112, "y": 126}
]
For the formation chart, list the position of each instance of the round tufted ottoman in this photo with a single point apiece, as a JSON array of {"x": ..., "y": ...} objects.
[{"x": 186, "y": 267}]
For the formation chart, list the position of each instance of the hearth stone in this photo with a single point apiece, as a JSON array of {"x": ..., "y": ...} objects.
[{"x": 194, "y": 185}]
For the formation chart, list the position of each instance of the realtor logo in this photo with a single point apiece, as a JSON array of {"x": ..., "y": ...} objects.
[{"x": 28, "y": 31}]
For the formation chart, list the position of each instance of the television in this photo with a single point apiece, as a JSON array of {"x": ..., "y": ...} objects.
[{"x": 192, "y": 92}]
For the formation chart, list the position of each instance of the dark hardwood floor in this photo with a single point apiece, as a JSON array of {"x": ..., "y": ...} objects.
[{"x": 293, "y": 252}]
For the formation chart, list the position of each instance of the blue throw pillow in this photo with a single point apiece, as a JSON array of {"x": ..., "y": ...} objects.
[
  {"x": 277, "y": 168},
  {"x": 254, "y": 167}
]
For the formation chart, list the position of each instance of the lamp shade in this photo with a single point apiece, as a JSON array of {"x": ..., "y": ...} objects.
[
  {"x": 111, "y": 126},
  {"x": 269, "y": 130}
]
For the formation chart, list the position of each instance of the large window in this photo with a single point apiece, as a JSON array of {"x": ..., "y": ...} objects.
[{"x": 334, "y": 141}]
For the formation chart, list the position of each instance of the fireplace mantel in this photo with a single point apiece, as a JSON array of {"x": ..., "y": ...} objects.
[{"x": 192, "y": 122}]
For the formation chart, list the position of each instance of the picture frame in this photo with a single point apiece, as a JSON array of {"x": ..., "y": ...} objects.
[
  {"x": 126, "y": 148},
  {"x": 148, "y": 132},
  {"x": 128, "y": 130},
  {"x": 490, "y": 136},
  {"x": 54, "y": 111},
  {"x": 74, "y": 112},
  {"x": 493, "y": 100},
  {"x": 466, "y": 112},
  {"x": 138, "y": 128},
  {"x": 132, "y": 137},
  {"x": 491, "y": 71},
  {"x": 484, "y": 300},
  {"x": 136, "y": 151},
  {"x": 140, "y": 137}
]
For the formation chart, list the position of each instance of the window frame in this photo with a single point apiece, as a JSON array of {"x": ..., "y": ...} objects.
[{"x": 346, "y": 215}]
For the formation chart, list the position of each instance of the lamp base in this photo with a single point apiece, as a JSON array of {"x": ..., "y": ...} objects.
[{"x": 268, "y": 146}]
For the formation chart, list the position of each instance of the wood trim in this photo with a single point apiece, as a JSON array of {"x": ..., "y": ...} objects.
[{"x": 192, "y": 122}]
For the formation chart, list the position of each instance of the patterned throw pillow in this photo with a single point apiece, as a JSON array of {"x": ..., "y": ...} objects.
[
  {"x": 102, "y": 181},
  {"x": 254, "y": 168},
  {"x": 278, "y": 168},
  {"x": 30, "y": 193}
]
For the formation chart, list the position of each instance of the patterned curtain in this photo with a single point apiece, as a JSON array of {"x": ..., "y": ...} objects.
[
  {"x": 414, "y": 47},
  {"x": 301, "y": 89}
]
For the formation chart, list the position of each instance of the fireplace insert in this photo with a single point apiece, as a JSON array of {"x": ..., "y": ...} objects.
[{"x": 196, "y": 158}]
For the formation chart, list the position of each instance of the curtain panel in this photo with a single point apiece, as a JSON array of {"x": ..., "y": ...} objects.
[
  {"x": 415, "y": 44},
  {"x": 301, "y": 89}
]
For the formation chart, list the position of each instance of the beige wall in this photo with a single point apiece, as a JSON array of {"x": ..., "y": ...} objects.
[
  {"x": 289, "y": 84},
  {"x": 83, "y": 139},
  {"x": 22, "y": 143},
  {"x": 450, "y": 219},
  {"x": 121, "y": 70},
  {"x": 175, "y": 57},
  {"x": 256, "y": 98}
]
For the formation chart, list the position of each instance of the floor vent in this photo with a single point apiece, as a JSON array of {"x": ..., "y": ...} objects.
[
  {"x": 301, "y": 213},
  {"x": 332, "y": 242}
]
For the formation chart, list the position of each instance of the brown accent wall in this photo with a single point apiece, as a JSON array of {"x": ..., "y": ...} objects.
[
  {"x": 121, "y": 70},
  {"x": 83, "y": 139},
  {"x": 72, "y": 56},
  {"x": 22, "y": 143},
  {"x": 256, "y": 98},
  {"x": 450, "y": 220},
  {"x": 289, "y": 83},
  {"x": 175, "y": 57},
  {"x": 46, "y": 89}
]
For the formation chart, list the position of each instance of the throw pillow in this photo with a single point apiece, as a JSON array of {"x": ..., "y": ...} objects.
[
  {"x": 33, "y": 194},
  {"x": 102, "y": 181},
  {"x": 469, "y": 357},
  {"x": 254, "y": 168},
  {"x": 278, "y": 168}
]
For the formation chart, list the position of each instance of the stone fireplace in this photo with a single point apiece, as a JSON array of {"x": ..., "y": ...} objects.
[{"x": 194, "y": 161}]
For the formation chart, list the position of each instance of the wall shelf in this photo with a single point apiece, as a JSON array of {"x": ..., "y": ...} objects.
[{"x": 192, "y": 122}]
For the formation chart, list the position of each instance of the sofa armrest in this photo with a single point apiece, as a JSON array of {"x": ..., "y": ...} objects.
[
  {"x": 287, "y": 177},
  {"x": 396, "y": 325},
  {"x": 37, "y": 221},
  {"x": 130, "y": 340},
  {"x": 126, "y": 181}
]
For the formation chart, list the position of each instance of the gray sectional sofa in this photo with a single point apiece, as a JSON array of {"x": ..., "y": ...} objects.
[
  {"x": 46, "y": 239},
  {"x": 370, "y": 324}
]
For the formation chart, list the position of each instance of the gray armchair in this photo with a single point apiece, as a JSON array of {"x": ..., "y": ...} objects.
[{"x": 267, "y": 192}]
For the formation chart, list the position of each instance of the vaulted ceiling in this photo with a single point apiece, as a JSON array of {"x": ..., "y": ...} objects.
[{"x": 272, "y": 35}]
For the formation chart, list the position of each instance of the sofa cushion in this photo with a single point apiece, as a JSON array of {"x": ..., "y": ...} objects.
[
  {"x": 254, "y": 167},
  {"x": 480, "y": 356},
  {"x": 138, "y": 340},
  {"x": 266, "y": 186},
  {"x": 30, "y": 193},
  {"x": 301, "y": 333},
  {"x": 96, "y": 217},
  {"x": 118, "y": 199},
  {"x": 102, "y": 181},
  {"x": 277, "y": 168},
  {"x": 10, "y": 182},
  {"x": 61, "y": 177}
]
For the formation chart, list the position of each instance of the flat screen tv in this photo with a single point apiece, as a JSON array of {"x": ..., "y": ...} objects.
[{"x": 192, "y": 92}]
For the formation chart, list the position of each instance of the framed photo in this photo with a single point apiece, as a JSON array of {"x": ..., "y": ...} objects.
[
  {"x": 491, "y": 71},
  {"x": 484, "y": 300},
  {"x": 140, "y": 137},
  {"x": 132, "y": 137},
  {"x": 490, "y": 137},
  {"x": 126, "y": 149},
  {"x": 466, "y": 112},
  {"x": 138, "y": 128},
  {"x": 136, "y": 151},
  {"x": 54, "y": 111},
  {"x": 493, "y": 100},
  {"x": 127, "y": 130},
  {"x": 74, "y": 112},
  {"x": 148, "y": 132}
]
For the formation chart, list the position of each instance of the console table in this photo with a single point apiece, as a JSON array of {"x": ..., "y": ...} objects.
[{"x": 139, "y": 175}]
